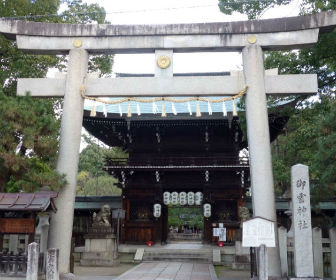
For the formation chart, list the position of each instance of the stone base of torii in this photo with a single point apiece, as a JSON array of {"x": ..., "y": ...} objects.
[{"x": 250, "y": 37}]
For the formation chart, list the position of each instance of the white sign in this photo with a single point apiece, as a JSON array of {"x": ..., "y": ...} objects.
[
  {"x": 222, "y": 234},
  {"x": 258, "y": 231},
  {"x": 215, "y": 232}
]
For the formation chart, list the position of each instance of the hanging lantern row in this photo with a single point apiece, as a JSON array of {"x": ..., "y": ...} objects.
[
  {"x": 157, "y": 209},
  {"x": 182, "y": 198}
]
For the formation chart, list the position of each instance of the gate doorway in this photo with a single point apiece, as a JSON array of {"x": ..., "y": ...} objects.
[{"x": 185, "y": 224}]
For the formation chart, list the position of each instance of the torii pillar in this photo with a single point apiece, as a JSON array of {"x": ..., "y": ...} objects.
[
  {"x": 262, "y": 185},
  {"x": 68, "y": 156}
]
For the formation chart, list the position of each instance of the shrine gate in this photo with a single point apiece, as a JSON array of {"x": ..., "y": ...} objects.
[{"x": 248, "y": 37}]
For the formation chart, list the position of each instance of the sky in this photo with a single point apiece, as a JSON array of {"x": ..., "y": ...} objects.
[{"x": 178, "y": 11}]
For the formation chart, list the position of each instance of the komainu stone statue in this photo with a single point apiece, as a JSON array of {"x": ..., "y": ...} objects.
[
  {"x": 102, "y": 219},
  {"x": 100, "y": 240},
  {"x": 244, "y": 215}
]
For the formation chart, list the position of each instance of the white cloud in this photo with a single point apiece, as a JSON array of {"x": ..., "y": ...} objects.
[{"x": 177, "y": 11}]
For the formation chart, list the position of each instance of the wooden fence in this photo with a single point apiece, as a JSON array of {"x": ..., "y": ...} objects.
[{"x": 324, "y": 253}]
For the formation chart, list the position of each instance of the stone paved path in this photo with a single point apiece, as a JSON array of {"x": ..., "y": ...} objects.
[{"x": 170, "y": 271}]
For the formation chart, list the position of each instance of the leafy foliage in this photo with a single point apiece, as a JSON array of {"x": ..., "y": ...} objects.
[
  {"x": 325, "y": 157},
  {"x": 92, "y": 159},
  {"x": 310, "y": 134},
  {"x": 79, "y": 12},
  {"x": 29, "y": 128},
  {"x": 92, "y": 179},
  {"x": 99, "y": 186},
  {"x": 250, "y": 7},
  {"x": 302, "y": 143},
  {"x": 185, "y": 216},
  {"x": 28, "y": 144},
  {"x": 254, "y": 9}
]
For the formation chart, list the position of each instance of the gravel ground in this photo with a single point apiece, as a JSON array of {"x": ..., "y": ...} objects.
[
  {"x": 100, "y": 273},
  {"x": 225, "y": 273}
]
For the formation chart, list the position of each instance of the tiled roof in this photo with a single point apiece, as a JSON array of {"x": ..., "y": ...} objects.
[{"x": 38, "y": 201}]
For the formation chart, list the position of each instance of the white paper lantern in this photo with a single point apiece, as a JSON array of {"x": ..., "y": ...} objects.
[
  {"x": 166, "y": 198},
  {"x": 191, "y": 198},
  {"x": 157, "y": 210},
  {"x": 207, "y": 210},
  {"x": 183, "y": 198},
  {"x": 174, "y": 198},
  {"x": 198, "y": 198}
]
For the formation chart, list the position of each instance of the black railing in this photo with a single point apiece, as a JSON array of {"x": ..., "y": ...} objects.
[
  {"x": 16, "y": 264},
  {"x": 178, "y": 161}
]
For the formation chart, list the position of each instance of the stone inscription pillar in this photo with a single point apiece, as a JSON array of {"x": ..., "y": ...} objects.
[
  {"x": 317, "y": 252},
  {"x": 282, "y": 235},
  {"x": 52, "y": 264},
  {"x": 32, "y": 263},
  {"x": 262, "y": 263},
  {"x": 303, "y": 248},
  {"x": 68, "y": 155},
  {"x": 259, "y": 146}
]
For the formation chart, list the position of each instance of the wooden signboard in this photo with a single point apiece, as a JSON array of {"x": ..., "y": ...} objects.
[
  {"x": 258, "y": 231},
  {"x": 17, "y": 225},
  {"x": 118, "y": 214}
]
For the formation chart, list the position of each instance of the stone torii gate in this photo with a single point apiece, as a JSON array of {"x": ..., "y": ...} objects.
[{"x": 250, "y": 37}]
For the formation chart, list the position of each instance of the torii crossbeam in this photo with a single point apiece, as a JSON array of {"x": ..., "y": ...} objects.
[{"x": 250, "y": 37}]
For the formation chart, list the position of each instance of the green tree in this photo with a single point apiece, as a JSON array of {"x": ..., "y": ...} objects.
[
  {"x": 28, "y": 144},
  {"x": 251, "y": 8},
  {"x": 254, "y": 9},
  {"x": 92, "y": 160},
  {"x": 197, "y": 221},
  {"x": 93, "y": 157},
  {"x": 92, "y": 178},
  {"x": 29, "y": 127},
  {"x": 310, "y": 135},
  {"x": 182, "y": 216},
  {"x": 100, "y": 186}
]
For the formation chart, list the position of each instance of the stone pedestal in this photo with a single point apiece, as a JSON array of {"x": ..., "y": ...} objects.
[
  {"x": 99, "y": 249},
  {"x": 242, "y": 257}
]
